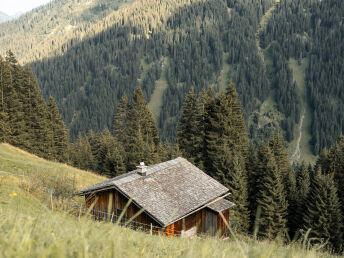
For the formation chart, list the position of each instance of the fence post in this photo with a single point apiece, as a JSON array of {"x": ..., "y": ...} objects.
[{"x": 151, "y": 229}]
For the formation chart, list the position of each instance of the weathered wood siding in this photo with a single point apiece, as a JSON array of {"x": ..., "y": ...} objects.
[
  {"x": 100, "y": 210},
  {"x": 205, "y": 221},
  {"x": 200, "y": 222}
]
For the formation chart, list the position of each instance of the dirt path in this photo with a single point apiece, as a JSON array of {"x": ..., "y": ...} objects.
[{"x": 297, "y": 153}]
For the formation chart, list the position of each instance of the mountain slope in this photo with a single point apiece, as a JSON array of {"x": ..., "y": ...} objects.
[
  {"x": 183, "y": 38},
  {"x": 30, "y": 228},
  {"x": 47, "y": 30},
  {"x": 87, "y": 58}
]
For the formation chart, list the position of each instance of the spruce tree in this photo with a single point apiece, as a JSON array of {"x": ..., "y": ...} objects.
[
  {"x": 5, "y": 95},
  {"x": 322, "y": 214},
  {"x": 142, "y": 139},
  {"x": 120, "y": 117},
  {"x": 82, "y": 155},
  {"x": 231, "y": 173},
  {"x": 189, "y": 137},
  {"x": 37, "y": 125},
  {"x": 109, "y": 155},
  {"x": 335, "y": 166},
  {"x": 59, "y": 139},
  {"x": 225, "y": 126},
  {"x": 271, "y": 198}
]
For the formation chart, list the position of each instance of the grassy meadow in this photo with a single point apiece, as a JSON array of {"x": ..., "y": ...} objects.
[{"x": 32, "y": 224}]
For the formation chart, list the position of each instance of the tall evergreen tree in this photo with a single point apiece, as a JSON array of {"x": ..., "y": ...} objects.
[
  {"x": 120, "y": 119},
  {"x": 60, "y": 139},
  {"x": 6, "y": 95},
  {"x": 189, "y": 137},
  {"x": 271, "y": 198},
  {"x": 335, "y": 166},
  {"x": 225, "y": 126},
  {"x": 322, "y": 214},
  {"x": 142, "y": 140},
  {"x": 233, "y": 176},
  {"x": 303, "y": 187}
]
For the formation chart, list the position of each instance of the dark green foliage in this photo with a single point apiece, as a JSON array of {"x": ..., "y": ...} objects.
[
  {"x": 233, "y": 175},
  {"x": 26, "y": 120},
  {"x": 187, "y": 45},
  {"x": 271, "y": 197},
  {"x": 332, "y": 162},
  {"x": 322, "y": 213},
  {"x": 303, "y": 182},
  {"x": 225, "y": 127},
  {"x": 190, "y": 134},
  {"x": 300, "y": 29},
  {"x": 82, "y": 155},
  {"x": 141, "y": 134},
  {"x": 60, "y": 139},
  {"x": 120, "y": 118}
]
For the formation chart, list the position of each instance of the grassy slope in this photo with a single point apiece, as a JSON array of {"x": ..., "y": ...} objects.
[
  {"x": 223, "y": 80},
  {"x": 156, "y": 100},
  {"x": 305, "y": 147},
  {"x": 28, "y": 228}
]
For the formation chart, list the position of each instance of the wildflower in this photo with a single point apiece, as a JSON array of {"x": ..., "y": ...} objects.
[{"x": 13, "y": 194}]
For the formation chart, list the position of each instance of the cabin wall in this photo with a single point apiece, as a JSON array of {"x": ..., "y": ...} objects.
[
  {"x": 101, "y": 210},
  {"x": 204, "y": 221}
]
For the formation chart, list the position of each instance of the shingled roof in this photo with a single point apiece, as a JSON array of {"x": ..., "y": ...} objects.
[{"x": 169, "y": 191}]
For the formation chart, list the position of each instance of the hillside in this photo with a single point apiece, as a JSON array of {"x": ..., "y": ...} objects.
[
  {"x": 87, "y": 54},
  {"x": 28, "y": 226},
  {"x": 47, "y": 30}
]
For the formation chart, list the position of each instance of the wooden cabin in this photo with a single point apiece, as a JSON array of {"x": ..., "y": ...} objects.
[{"x": 174, "y": 197}]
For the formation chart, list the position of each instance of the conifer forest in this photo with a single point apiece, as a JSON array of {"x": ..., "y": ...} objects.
[{"x": 251, "y": 92}]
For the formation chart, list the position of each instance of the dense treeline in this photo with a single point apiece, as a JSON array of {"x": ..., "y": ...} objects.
[
  {"x": 134, "y": 139},
  {"x": 186, "y": 41},
  {"x": 273, "y": 199},
  {"x": 313, "y": 31},
  {"x": 26, "y": 120}
]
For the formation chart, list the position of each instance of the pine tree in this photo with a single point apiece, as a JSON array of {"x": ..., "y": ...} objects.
[
  {"x": 189, "y": 136},
  {"x": 225, "y": 126},
  {"x": 142, "y": 139},
  {"x": 109, "y": 155},
  {"x": 120, "y": 117},
  {"x": 11, "y": 101},
  {"x": 59, "y": 140},
  {"x": 37, "y": 125},
  {"x": 5, "y": 94},
  {"x": 271, "y": 198},
  {"x": 82, "y": 155},
  {"x": 335, "y": 166},
  {"x": 322, "y": 214},
  {"x": 303, "y": 187},
  {"x": 232, "y": 174}
]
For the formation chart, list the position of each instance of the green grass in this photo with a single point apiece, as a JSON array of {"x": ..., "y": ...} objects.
[
  {"x": 156, "y": 101},
  {"x": 29, "y": 228},
  {"x": 305, "y": 146},
  {"x": 224, "y": 76}
]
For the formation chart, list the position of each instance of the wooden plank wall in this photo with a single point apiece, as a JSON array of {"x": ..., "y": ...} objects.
[
  {"x": 100, "y": 210},
  {"x": 200, "y": 219},
  {"x": 221, "y": 225}
]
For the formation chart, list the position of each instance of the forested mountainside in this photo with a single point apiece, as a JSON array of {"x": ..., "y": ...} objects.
[
  {"x": 49, "y": 30},
  {"x": 283, "y": 56},
  {"x": 182, "y": 44},
  {"x": 311, "y": 32}
]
